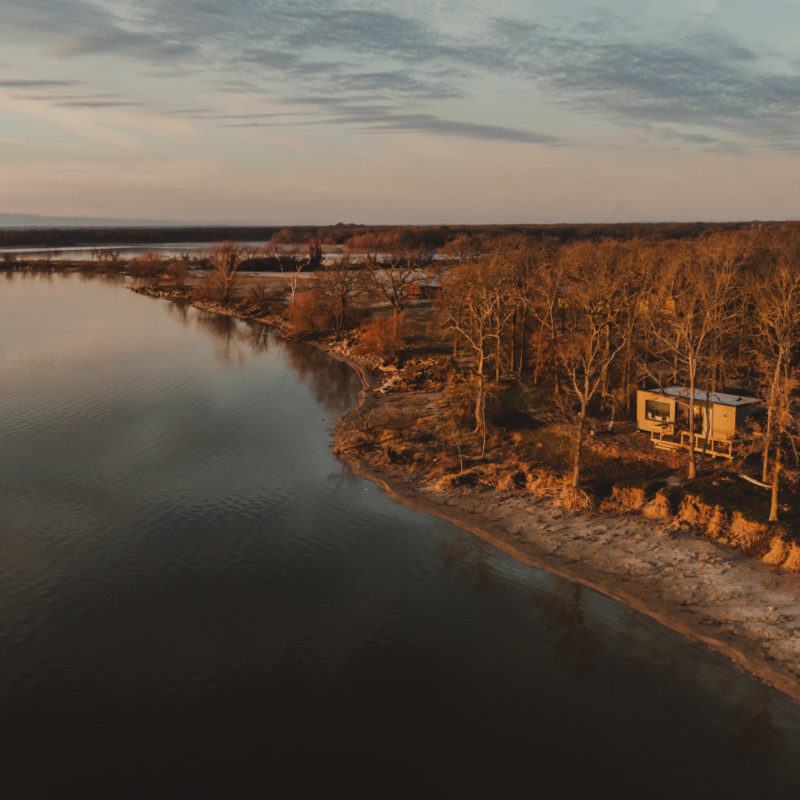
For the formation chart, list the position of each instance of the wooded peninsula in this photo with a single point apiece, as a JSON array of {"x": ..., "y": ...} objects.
[{"x": 524, "y": 375}]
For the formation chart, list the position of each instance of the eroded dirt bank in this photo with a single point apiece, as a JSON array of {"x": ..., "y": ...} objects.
[{"x": 702, "y": 588}]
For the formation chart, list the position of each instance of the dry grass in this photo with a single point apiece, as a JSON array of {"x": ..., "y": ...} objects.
[
  {"x": 543, "y": 484},
  {"x": 625, "y": 498},
  {"x": 695, "y": 512},
  {"x": 752, "y": 537},
  {"x": 575, "y": 499},
  {"x": 792, "y": 562},
  {"x": 779, "y": 550},
  {"x": 659, "y": 507},
  {"x": 717, "y": 525}
]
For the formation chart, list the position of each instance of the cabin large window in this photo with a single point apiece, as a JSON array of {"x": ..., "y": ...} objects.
[{"x": 657, "y": 411}]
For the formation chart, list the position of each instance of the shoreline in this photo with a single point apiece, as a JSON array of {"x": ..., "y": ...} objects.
[
  {"x": 763, "y": 656},
  {"x": 697, "y": 586}
]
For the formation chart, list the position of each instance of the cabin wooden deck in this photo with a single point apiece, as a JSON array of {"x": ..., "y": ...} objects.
[{"x": 717, "y": 448}]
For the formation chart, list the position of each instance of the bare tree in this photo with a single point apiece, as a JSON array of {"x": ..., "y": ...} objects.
[
  {"x": 775, "y": 298},
  {"x": 474, "y": 306},
  {"x": 225, "y": 259},
  {"x": 586, "y": 347},
  {"x": 392, "y": 277},
  {"x": 696, "y": 308},
  {"x": 544, "y": 302},
  {"x": 293, "y": 280},
  {"x": 284, "y": 256},
  {"x": 338, "y": 285}
]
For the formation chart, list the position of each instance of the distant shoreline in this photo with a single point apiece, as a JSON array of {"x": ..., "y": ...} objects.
[{"x": 432, "y": 236}]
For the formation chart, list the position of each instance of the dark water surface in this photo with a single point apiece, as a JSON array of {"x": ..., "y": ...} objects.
[{"x": 197, "y": 599}]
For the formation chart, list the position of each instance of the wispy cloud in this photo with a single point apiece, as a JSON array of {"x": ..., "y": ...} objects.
[
  {"x": 698, "y": 79},
  {"x": 153, "y": 47},
  {"x": 25, "y": 83},
  {"x": 702, "y": 78},
  {"x": 97, "y": 104},
  {"x": 376, "y": 120}
]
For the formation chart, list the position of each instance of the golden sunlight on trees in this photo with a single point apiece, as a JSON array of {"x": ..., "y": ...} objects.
[
  {"x": 382, "y": 336},
  {"x": 588, "y": 342},
  {"x": 775, "y": 297},
  {"x": 694, "y": 317},
  {"x": 551, "y": 342}
]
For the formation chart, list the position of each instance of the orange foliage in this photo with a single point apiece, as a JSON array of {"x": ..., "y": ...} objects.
[
  {"x": 307, "y": 314},
  {"x": 382, "y": 336}
]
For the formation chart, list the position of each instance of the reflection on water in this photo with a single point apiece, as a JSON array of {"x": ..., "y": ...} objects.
[{"x": 195, "y": 596}]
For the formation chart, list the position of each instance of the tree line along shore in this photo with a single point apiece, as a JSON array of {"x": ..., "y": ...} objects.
[
  {"x": 352, "y": 235},
  {"x": 512, "y": 362}
]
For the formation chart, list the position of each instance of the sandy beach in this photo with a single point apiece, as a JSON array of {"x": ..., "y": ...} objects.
[{"x": 699, "y": 587}]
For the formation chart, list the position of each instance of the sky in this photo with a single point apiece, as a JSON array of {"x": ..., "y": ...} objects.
[{"x": 407, "y": 112}]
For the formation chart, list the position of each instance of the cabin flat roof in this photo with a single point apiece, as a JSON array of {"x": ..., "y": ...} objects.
[{"x": 715, "y": 397}]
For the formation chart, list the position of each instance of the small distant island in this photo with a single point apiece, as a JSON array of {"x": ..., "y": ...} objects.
[{"x": 618, "y": 403}]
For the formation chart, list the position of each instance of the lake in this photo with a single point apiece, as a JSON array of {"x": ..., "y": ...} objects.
[{"x": 197, "y": 598}]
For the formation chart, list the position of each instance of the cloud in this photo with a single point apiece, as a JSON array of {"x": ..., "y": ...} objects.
[
  {"x": 606, "y": 66},
  {"x": 25, "y": 83},
  {"x": 97, "y": 104},
  {"x": 191, "y": 113},
  {"x": 112, "y": 39},
  {"x": 601, "y": 65},
  {"x": 700, "y": 78},
  {"x": 95, "y": 100},
  {"x": 374, "y": 120},
  {"x": 429, "y": 123}
]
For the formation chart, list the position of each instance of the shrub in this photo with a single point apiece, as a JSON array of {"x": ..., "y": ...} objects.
[
  {"x": 307, "y": 315},
  {"x": 178, "y": 270},
  {"x": 147, "y": 266},
  {"x": 382, "y": 336}
]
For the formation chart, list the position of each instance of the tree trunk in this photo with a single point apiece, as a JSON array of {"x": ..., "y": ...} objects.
[
  {"x": 480, "y": 399},
  {"x": 576, "y": 458},
  {"x": 521, "y": 363},
  {"x": 626, "y": 375},
  {"x": 773, "y": 508},
  {"x": 770, "y": 417},
  {"x": 692, "y": 460},
  {"x": 480, "y": 406},
  {"x": 675, "y": 361}
]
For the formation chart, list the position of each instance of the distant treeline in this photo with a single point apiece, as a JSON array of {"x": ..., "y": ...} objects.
[{"x": 364, "y": 237}]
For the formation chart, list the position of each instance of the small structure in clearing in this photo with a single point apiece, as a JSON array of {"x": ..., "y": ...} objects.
[
  {"x": 423, "y": 290},
  {"x": 717, "y": 416}
]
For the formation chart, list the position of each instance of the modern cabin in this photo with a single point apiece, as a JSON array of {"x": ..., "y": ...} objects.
[{"x": 717, "y": 418}]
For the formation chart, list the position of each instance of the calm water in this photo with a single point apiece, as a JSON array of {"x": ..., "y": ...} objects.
[
  {"x": 196, "y": 599},
  {"x": 126, "y": 251}
]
